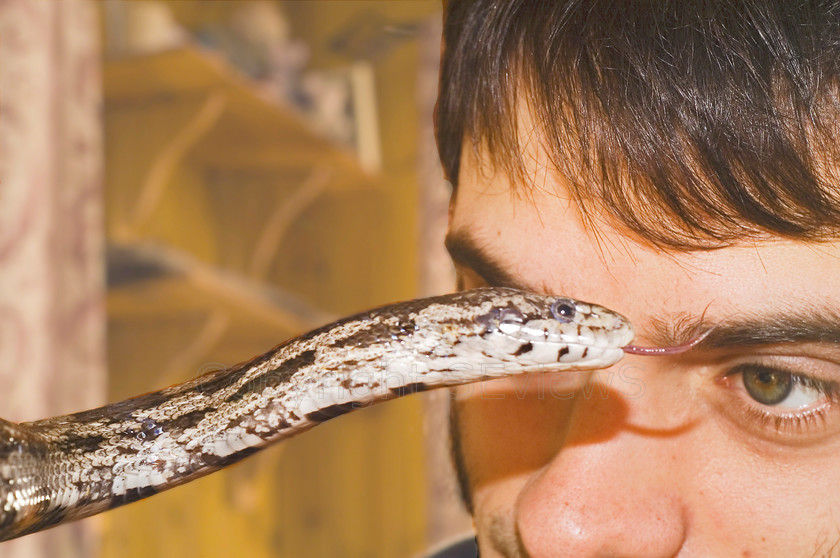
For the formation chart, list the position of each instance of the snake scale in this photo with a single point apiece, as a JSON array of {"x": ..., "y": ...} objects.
[{"x": 73, "y": 466}]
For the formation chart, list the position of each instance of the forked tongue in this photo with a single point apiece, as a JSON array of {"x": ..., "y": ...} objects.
[{"x": 665, "y": 351}]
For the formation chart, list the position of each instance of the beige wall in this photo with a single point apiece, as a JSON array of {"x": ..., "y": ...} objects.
[{"x": 52, "y": 312}]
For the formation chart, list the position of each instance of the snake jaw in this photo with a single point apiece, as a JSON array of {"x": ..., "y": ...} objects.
[{"x": 548, "y": 338}]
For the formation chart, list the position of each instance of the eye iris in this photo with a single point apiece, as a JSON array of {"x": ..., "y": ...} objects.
[
  {"x": 562, "y": 311},
  {"x": 767, "y": 386}
]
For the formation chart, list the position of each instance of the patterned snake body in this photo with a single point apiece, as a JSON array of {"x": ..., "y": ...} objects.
[{"x": 73, "y": 466}]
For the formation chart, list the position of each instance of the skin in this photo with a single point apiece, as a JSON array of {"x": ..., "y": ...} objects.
[{"x": 657, "y": 456}]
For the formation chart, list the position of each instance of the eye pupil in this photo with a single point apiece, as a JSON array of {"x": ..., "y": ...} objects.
[{"x": 562, "y": 311}]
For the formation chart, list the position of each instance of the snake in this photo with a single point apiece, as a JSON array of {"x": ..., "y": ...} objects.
[{"x": 73, "y": 466}]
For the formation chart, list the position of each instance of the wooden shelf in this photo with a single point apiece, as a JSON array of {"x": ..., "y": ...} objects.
[
  {"x": 253, "y": 131},
  {"x": 232, "y": 224},
  {"x": 202, "y": 159},
  {"x": 146, "y": 280}
]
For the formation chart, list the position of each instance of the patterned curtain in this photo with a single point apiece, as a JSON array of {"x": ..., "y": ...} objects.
[{"x": 52, "y": 316}]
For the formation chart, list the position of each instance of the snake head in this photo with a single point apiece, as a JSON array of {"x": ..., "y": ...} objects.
[{"x": 540, "y": 331}]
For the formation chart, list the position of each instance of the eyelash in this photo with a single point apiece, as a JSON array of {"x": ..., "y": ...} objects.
[{"x": 789, "y": 421}]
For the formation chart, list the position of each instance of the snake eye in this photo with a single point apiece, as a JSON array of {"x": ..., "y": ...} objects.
[{"x": 563, "y": 311}]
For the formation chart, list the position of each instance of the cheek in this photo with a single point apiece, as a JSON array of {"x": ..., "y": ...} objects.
[
  {"x": 510, "y": 428},
  {"x": 778, "y": 505}
]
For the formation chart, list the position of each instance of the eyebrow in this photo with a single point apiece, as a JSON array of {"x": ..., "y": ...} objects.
[
  {"x": 802, "y": 323},
  {"x": 465, "y": 252}
]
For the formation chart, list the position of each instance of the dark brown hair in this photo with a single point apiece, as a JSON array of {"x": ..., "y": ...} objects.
[{"x": 694, "y": 123}]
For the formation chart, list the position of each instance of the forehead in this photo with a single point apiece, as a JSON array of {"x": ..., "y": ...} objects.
[{"x": 541, "y": 239}]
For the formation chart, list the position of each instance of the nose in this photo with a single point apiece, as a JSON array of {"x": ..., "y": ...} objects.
[{"x": 605, "y": 495}]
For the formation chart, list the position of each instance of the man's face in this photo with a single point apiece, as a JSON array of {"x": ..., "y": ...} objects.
[{"x": 728, "y": 451}]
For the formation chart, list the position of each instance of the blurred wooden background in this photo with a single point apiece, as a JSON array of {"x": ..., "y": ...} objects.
[{"x": 233, "y": 219}]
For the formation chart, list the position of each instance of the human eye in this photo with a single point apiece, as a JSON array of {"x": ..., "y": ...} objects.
[{"x": 788, "y": 400}]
